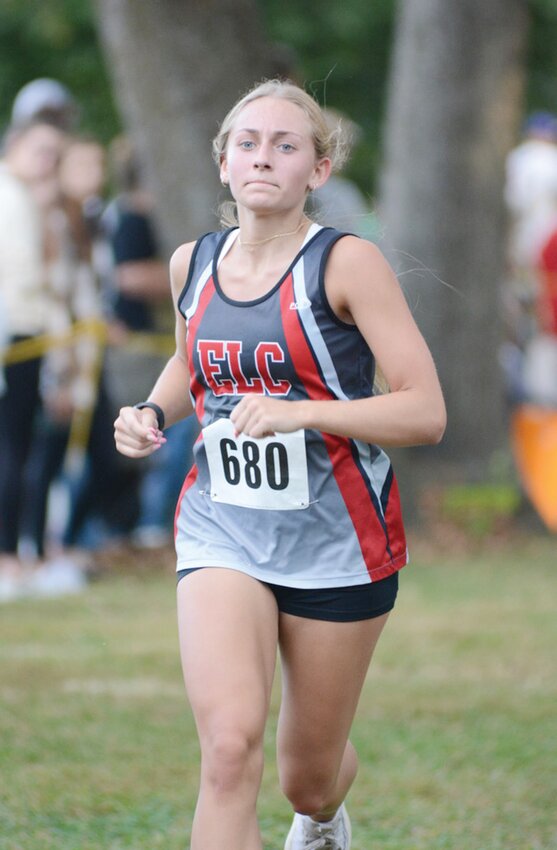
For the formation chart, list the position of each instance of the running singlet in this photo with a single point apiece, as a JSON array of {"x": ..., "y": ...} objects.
[{"x": 305, "y": 509}]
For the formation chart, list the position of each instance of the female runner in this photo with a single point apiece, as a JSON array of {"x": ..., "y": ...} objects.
[{"x": 288, "y": 528}]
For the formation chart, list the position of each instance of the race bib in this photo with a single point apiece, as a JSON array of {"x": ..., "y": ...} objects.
[{"x": 269, "y": 473}]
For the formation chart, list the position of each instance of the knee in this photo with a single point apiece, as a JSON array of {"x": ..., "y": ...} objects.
[
  {"x": 307, "y": 791},
  {"x": 231, "y": 758}
]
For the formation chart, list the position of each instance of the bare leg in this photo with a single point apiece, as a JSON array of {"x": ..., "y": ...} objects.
[
  {"x": 228, "y": 625},
  {"x": 324, "y": 667}
]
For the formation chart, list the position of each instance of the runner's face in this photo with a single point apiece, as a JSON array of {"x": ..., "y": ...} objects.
[{"x": 270, "y": 158}]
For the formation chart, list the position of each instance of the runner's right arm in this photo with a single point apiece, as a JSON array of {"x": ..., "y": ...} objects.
[{"x": 136, "y": 431}]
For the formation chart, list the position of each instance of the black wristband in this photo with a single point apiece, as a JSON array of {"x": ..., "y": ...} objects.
[{"x": 158, "y": 411}]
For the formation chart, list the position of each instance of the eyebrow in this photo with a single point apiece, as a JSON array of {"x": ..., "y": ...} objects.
[{"x": 276, "y": 134}]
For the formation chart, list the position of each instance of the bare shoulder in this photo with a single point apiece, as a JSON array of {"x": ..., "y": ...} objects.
[
  {"x": 353, "y": 254},
  {"x": 179, "y": 266},
  {"x": 356, "y": 272}
]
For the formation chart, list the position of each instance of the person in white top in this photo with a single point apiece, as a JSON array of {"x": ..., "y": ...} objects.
[
  {"x": 531, "y": 189},
  {"x": 31, "y": 158},
  {"x": 531, "y": 202}
]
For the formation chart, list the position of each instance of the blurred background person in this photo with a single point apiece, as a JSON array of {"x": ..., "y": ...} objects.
[
  {"x": 30, "y": 163},
  {"x": 74, "y": 443},
  {"x": 75, "y": 403},
  {"x": 540, "y": 356},
  {"x": 100, "y": 512},
  {"x": 71, "y": 295},
  {"x": 139, "y": 302},
  {"x": 531, "y": 201},
  {"x": 70, "y": 374},
  {"x": 531, "y": 191},
  {"x": 47, "y": 100}
]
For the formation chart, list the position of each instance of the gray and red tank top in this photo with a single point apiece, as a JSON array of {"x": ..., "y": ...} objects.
[{"x": 307, "y": 509}]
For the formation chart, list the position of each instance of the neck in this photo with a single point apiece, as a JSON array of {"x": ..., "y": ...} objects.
[{"x": 251, "y": 244}]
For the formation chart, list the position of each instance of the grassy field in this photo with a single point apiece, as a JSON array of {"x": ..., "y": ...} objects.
[{"x": 456, "y": 729}]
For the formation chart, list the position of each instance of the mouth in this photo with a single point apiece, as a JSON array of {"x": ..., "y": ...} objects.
[{"x": 260, "y": 183}]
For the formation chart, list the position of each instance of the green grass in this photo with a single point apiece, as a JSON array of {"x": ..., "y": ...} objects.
[{"x": 456, "y": 729}]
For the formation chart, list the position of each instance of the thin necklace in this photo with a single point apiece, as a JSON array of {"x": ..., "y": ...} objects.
[{"x": 270, "y": 238}]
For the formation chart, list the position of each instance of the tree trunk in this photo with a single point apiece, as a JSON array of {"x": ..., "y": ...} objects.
[
  {"x": 455, "y": 102},
  {"x": 178, "y": 66}
]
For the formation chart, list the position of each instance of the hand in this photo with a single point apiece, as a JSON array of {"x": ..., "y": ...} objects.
[
  {"x": 136, "y": 433},
  {"x": 60, "y": 405},
  {"x": 118, "y": 334},
  {"x": 261, "y": 416}
]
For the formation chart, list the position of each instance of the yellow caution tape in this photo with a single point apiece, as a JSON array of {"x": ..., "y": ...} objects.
[
  {"x": 34, "y": 347},
  {"x": 37, "y": 346}
]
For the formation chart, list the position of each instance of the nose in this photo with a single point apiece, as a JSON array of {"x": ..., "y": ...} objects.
[{"x": 263, "y": 159}]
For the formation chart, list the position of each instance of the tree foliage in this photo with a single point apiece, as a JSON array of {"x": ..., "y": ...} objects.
[
  {"x": 341, "y": 54},
  {"x": 173, "y": 99},
  {"x": 340, "y": 51},
  {"x": 56, "y": 39}
]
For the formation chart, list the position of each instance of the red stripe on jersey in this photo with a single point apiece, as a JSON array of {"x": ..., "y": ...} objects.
[
  {"x": 190, "y": 479},
  {"x": 367, "y": 525},
  {"x": 397, "y": 536},
  {"x": 197, "y": 389}
]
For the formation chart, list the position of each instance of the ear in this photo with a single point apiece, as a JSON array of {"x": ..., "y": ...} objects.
[
  {"x": 223, "y": 171},
  {"x": 320, "y": 174}
]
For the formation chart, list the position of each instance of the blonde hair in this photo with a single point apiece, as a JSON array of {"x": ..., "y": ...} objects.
[{"x": 328, "y": 141}]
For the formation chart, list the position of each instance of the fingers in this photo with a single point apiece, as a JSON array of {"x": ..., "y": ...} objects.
[
  {"x": 136, "y": 433},
  {"x": 251, "y": 417}
]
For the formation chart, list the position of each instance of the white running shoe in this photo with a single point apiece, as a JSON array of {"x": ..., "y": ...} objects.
[
  {"x": 308, "y": 834},
  {"x": 58, "y": 578}
]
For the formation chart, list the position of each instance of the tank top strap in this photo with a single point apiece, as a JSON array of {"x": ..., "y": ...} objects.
[
  {"x": 313, "y": 259},
  {"x": 201, "y": 263}
]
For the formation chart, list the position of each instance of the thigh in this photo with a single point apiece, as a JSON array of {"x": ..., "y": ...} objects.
[
  {"x": 324, "y": 665},
  {"x": 228, "y": 625}
]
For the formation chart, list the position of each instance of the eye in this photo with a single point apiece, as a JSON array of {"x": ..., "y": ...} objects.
[
  {"x": 286, "y": 147},
  {"x": 247, "y": 145}
]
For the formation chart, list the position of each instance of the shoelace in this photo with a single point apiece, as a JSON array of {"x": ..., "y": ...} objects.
[
  {"x": 325, "y": 838},
  {"x": 323, "y": 843}
]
